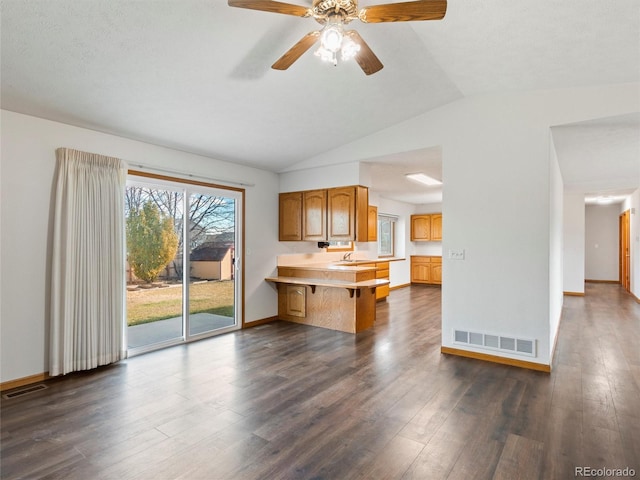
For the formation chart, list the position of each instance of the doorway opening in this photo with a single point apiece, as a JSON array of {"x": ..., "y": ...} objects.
[{"x": 625, "y": 258}]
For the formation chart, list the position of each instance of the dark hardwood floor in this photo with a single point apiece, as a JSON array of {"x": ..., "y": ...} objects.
[{"x": 286, "y": 401}]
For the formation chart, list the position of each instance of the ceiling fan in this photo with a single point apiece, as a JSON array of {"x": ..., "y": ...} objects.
[{"x": 333, "y": 15}]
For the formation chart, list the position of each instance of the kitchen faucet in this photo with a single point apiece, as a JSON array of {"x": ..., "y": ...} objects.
[{"x": 347, "y": 256}]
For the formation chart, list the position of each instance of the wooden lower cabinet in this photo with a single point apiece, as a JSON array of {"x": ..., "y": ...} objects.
[
  {"x": 296, "y": 300},
  {"x": 420, "y": 270},
  {"x": 426, "y": 269},
  {"x": 338, "y": 299},
  {"x": 436, "y": 270},
  {"x": 382, "y": 272}
]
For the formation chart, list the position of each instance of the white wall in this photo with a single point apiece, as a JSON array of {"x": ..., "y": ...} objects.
[
  {"x": 602, "y": 242},
  {"x": 28, "y": 162},
  {"x": 318, "y": 178},
  {"x": 574, "y": 242},
  {"x": 635, "y": 243},
  {"x": 399, "y": 271},
  {"x": 497, "y": 204},
  {"x": 556, "y": 241}
]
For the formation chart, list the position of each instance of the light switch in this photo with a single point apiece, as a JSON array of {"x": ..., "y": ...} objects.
[{"x": 456, "y": 254}]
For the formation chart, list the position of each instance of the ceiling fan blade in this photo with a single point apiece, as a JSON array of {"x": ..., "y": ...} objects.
[
  {"x": 272, "y": 6},
  {"x": 404, "y": 11},
  {"x": 294, "y": 53},
  {"x": 365, "y": 57}
]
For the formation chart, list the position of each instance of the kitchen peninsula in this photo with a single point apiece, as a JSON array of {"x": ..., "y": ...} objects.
[{"x": 335, "y": 296}]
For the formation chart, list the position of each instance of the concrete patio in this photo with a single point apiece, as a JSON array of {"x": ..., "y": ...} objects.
[{"x": 171, "y": 328}]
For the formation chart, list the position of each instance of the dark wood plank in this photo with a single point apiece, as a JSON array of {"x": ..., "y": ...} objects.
[
  {"x": 520, "y": 460},
  {"x": 291, "y": 401}
]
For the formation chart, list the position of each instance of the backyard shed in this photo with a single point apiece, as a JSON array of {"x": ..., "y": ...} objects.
[{"x": 210, "y": 261}]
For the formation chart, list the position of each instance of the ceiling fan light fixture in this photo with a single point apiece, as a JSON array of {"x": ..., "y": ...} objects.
[
  {"x": 333, "y": 15},
  {"x": 331, "y": 42},
  {"x": 326, "y": 56},
  {"x": 331, "y": 38},
  {"x": 349, "y": 49}
]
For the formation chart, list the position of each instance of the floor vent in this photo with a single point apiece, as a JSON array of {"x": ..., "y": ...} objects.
[
  {"x": 502, "y": 343},
  {"x": 25, "y": 391}
]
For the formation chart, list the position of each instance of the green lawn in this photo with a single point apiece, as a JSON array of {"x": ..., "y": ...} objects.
[{"x": 150, "y": 305}]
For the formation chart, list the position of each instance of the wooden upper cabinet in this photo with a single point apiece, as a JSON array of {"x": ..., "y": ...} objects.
[
  {"x": 362, "y": 214},
  {"x": 341, "y": 214},
  {"x": 314, "y": 215},
  {"x": 436, "y": 227},
  {"x": 426, "y": 227},
  {"x": 372, "y": 235},
  {"x": 290, "y": 225},
  {"x": 348, "y": 214},
  {"x": 334, "y": 214},
  {"x": 420, "y": 227}
]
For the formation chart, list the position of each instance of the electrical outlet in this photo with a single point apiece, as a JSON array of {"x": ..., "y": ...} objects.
[{"x": 456, "y": 254}]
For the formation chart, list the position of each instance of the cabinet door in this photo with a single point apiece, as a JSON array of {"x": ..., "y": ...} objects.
[
  {"x": 436, "y": 227},
  {"x": 382, "y": 272},
  {"x": 420, "y": 227},
  {"x": 341, "y": 209},
  {"x": 436, "y": 272},
  {"x": 290, "y": 211},
  {"x": 362, "y": 214},
  {"x": 372, "y": 229},
  {"x": 420, "y": 270},
  {"x": 296, "y": 300},
  {"x": 314, "y": 216}
]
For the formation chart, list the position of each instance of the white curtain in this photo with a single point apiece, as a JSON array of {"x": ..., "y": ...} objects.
[{"x": 87, "y": 284}]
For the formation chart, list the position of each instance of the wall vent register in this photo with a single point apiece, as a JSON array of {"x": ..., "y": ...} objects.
[
  {"x": 24, "y": 391},
  {"x": 502, "y": 343}
]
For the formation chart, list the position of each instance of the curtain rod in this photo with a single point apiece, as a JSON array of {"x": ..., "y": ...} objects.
[{"x": 189, "y": 175}]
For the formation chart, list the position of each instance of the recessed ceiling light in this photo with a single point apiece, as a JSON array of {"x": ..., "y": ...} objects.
[
  {"x": 604, "y": 199},
  {"x": 422, "y": 178}
]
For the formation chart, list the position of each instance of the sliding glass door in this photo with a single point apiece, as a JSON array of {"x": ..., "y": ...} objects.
[
  {"x": 183, "y": 275},
  {"x": 212, "y": 260},
  {"x": 154, "y": 218}
]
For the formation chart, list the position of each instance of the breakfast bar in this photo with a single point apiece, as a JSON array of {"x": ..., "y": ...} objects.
[{"x": 338, "y": 297}]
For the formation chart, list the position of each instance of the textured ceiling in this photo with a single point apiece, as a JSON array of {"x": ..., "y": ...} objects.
[
  {"x": 600, "y": 156},
  {"x": 195, "y": 75},
  {"x": 388, "y": 175}
]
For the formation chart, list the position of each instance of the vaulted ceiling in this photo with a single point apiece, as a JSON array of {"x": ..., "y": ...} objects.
[{"x": 195, "y": 75}]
